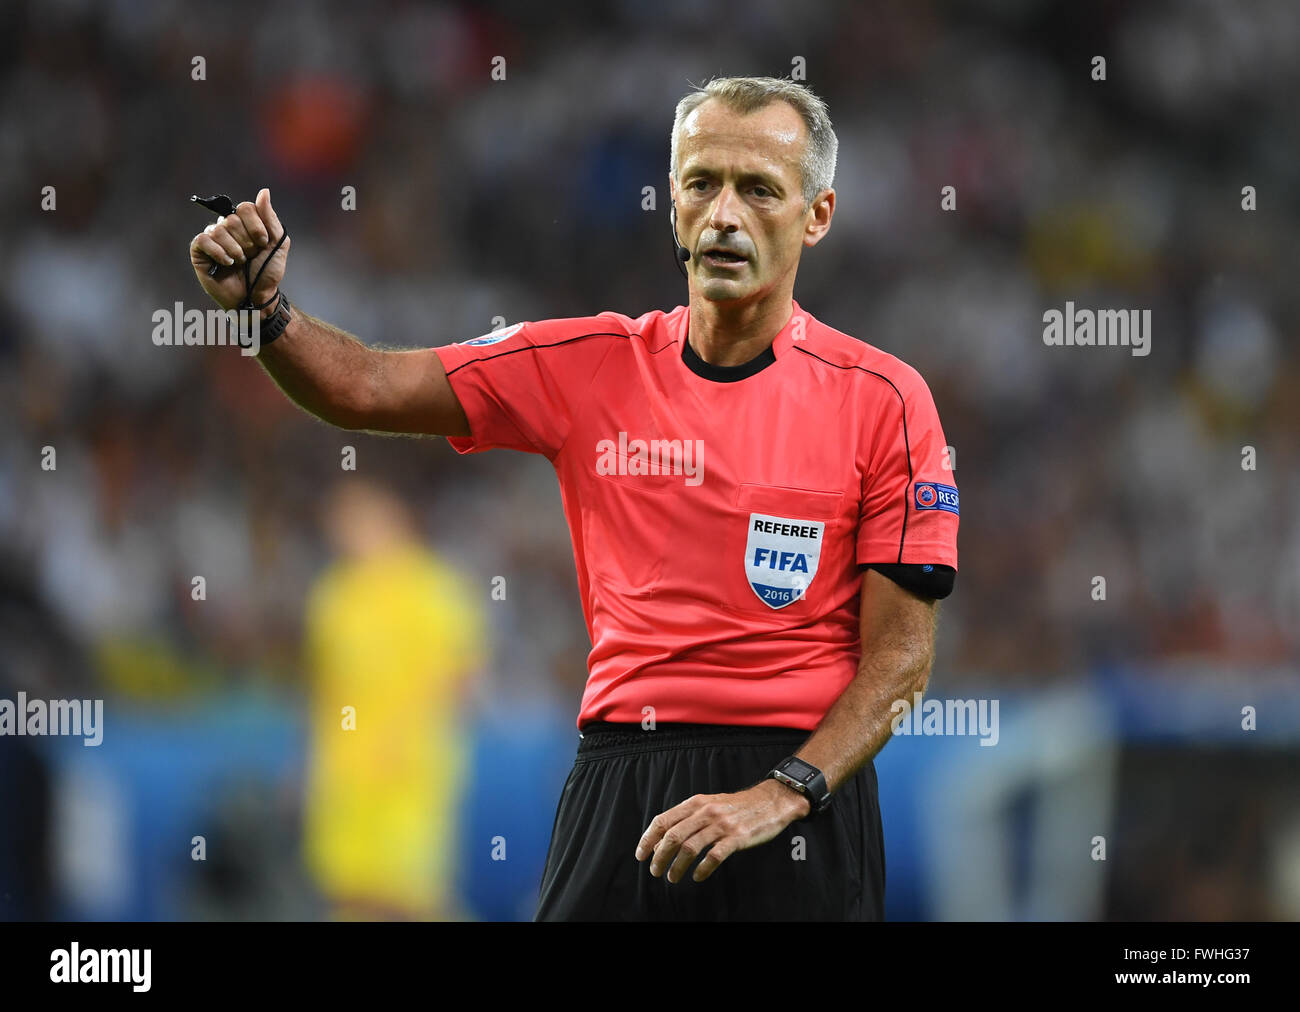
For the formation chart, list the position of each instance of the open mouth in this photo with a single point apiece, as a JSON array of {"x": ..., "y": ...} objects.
[{"x": 724, "y": 258}]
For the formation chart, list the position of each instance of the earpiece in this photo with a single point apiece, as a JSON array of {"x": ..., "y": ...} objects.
[{"x": 683, "y": 254}]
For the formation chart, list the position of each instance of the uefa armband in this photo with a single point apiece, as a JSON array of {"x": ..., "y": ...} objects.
[{"x": 933, "y": 581}]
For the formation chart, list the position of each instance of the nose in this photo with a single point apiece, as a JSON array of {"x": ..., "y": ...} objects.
[{"x": 724, "y": 216}]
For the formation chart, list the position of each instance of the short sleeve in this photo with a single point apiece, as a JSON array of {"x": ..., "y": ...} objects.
[
  {"x": 522, "y": 386},
  {"x": 910, "y": 505}
]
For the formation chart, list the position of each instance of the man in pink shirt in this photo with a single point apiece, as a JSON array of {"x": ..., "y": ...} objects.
[{"x": 763, "y": 518}]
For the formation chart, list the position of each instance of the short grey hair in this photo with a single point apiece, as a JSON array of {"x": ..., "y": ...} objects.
[{"x": 749, "y": 94}]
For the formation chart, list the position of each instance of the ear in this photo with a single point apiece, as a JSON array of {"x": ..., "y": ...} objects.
[
  {"x": 672, "y": 188},
  {"x": 819, "y": 218}
]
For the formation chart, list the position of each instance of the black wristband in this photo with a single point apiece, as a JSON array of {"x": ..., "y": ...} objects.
[{"x": 274, "y": 325}]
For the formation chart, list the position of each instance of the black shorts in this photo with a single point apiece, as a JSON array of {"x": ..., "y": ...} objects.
[{"x": 623, "y": 777}]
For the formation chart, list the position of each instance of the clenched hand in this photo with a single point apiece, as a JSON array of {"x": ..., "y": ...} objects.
[{"x": 248, "y": 235}]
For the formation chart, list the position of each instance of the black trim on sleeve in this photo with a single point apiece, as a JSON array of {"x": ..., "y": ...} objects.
[{"x": 922, "y": 579}]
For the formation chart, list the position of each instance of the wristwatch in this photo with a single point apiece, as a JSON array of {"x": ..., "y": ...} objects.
[
  {"x": 805, "y": 778},
  {"x": 274, "y": 325}
]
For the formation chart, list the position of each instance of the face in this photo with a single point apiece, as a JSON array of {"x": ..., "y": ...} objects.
[{"x": 739, "y": 189}]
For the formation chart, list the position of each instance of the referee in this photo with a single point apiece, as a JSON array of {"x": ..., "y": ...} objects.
[{"x": 763, "y": 518}]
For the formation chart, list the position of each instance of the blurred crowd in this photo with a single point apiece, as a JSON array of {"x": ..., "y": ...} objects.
[
  {"x": 521, "y": 199},
  {"x": 480, "y": 201}
]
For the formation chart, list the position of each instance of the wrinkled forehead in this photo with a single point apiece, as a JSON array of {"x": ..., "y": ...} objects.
[{"x": 772, "y": 138}]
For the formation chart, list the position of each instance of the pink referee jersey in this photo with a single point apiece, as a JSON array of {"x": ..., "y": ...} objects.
[{"x": 719, "y": 515}]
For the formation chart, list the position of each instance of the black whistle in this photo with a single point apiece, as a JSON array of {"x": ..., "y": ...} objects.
[{"x": 220, "y": 204}]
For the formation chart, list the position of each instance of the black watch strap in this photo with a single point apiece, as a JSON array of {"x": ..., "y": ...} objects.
[
  {"x": 807, "y": 779},
  {"x": 273, "y": 326}
]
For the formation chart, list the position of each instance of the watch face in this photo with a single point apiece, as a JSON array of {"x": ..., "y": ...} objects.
[{"x": 799, "y": 770}]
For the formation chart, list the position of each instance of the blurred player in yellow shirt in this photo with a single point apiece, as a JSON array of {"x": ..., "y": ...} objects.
[{"x": 394, "y": 636}]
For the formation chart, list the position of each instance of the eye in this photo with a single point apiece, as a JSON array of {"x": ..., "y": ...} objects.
[
  {"x": 695, "y": 183},
  {"x": 762, "y": 191}
]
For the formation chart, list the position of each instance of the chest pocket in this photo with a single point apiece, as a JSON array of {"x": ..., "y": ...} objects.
[
  {"x": 779, "y": 542},
  {"x": 628, "y": 528}
]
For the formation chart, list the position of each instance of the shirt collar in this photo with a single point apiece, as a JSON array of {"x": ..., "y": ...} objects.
[{"x": 797, "y": 324}]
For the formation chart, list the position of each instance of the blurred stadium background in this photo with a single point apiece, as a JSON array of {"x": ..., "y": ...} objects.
[{"x": 522, "y": 199}]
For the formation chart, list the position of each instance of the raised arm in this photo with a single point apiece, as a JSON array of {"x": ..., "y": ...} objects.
[{"x": 323, "y": 369}]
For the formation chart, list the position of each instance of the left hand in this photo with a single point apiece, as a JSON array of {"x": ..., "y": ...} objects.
[{"x": 724, "y": 823}]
